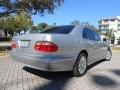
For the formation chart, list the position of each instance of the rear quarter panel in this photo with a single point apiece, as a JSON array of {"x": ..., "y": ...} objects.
[{"x": 68, "y": 44}]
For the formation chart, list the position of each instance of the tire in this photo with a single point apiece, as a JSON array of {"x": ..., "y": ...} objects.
[
  {"x": 108, "y": 55},
  {"x": 80, "y": 66}
]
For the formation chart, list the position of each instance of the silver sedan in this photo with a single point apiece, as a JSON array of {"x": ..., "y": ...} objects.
[{"x": 61, "y": 48}]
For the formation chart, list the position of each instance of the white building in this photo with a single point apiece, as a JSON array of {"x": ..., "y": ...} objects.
[{"x": 111, "y": 23}]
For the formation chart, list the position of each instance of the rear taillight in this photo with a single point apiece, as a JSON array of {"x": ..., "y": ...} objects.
[
  {"x": 45, "y": 46},
  {"x": 13, "y": 45}
]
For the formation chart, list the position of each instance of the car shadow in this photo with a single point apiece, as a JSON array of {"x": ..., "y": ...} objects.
[
  {"x": 117, "y": 72},
  {"x": 103, "y": 81},
  {"x": 57, "y": 79},
  {"x": 95, "y": 64}
]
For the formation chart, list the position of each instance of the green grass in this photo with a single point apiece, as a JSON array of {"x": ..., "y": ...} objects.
[
  {"x": 2, "y": 53},
  {"x": 4, "y": 48},
  {"x": 115, "y": 48}
]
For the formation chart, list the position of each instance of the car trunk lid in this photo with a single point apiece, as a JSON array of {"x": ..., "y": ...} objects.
[{"x": 25, "y": 43}]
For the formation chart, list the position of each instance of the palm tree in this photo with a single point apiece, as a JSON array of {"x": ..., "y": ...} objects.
[{"x": 110, "y": 35}]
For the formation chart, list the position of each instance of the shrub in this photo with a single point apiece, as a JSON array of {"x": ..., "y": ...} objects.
[
  {"x": 5, "y": 39},
  {"x": 5, "y": 48}
]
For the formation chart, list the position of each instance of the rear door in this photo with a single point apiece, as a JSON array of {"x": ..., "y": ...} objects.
[
  {"x": 98, "y": 45},
  {"x": 90, "y": 44}
]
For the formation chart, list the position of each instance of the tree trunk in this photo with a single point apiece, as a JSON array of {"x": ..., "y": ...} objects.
[
  {"x": 6, "y": 33},
  {"x": 11, "y": 33}
]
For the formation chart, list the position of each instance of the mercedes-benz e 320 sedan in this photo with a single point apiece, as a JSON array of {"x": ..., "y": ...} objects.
[{"x": 61, "y": 48}]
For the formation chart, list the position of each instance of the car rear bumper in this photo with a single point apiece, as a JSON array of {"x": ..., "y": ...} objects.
[{"x": 45, "y": 63}]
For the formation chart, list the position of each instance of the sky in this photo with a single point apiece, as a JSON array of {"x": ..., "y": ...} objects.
[{"x": 83, "y": 10}]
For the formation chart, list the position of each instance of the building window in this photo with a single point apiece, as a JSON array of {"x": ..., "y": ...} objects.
[
  {"x": 118, "y": 25},
  {"x": 99, "y": 22},
  {"x": 112, "y": 20},
  {"x": 106, "y": 26},
  {"x": 118, "y": 42},
  {"x": 100, "y": 26},
  {"x": 105, "y": 21}
]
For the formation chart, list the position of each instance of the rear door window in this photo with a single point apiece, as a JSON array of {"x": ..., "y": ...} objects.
[
  {"x": 87, "y": 34},
  {"x": 96, "y": 36},
  {"x": 90, "y": 34},
  {"x": 59, "y": 30}
]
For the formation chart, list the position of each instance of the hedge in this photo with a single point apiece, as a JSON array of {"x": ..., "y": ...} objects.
[
  {"x": 5, "y": 48},
  {"x": 5, "y": 39}
]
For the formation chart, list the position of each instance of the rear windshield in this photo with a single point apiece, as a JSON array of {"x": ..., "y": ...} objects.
[{"x": 59, "y": 30}]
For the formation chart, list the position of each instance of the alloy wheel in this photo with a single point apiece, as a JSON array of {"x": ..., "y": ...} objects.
[{"x": 82, "y": 65}]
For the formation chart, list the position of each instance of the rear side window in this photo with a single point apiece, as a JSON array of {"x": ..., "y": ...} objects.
[
  {"x": 96, "y": 36},
  {"x": 87, "y": 34},
  {"x": 90, "y": 34},
  {"x": 59, "y": 30}
]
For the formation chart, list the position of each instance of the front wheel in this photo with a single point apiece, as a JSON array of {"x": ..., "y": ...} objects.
[
  {"x": 108, "y": 55},
  {"x": 80, "y": 66}
]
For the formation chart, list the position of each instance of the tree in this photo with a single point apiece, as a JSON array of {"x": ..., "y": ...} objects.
[
  {"x": 29, "y": 6},
  {"x": 1, "y": 23},
  {"x": 86, "y": 24},
  {"x": 54, "y": 24},
  {"x": 75, "y": 22},
  {"x": 42, "y": 26},
  {"x": 2, "y": 26},
  {"x": 7, "y": 24},
  {"x": 34, "y": 29},
  {"x": 110, "y": 35},
  {"x": 15, "y": 23},
  {"x": 39, "y": 27},
  {"x": 23, "y": 21}
]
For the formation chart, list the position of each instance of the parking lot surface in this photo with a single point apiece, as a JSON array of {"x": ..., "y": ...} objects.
[{"x": 103, "y": 75}]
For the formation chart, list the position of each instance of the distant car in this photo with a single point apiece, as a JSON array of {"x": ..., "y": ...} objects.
[{"x": 61, "y": 48}]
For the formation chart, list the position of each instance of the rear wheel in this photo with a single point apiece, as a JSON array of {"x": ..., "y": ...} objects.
[
  {"x": 80, "y": 66},
  {"x": 108, "y": 55}
]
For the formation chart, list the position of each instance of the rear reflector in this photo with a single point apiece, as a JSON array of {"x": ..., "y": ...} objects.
[
  {"x": 45, "y": 46},
  {"x": 13, "y": 45}
]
